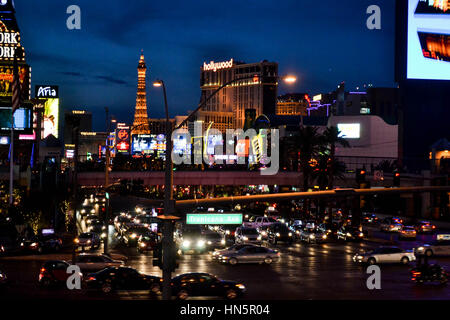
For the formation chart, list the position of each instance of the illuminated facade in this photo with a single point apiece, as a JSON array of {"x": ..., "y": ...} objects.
[
  {"x": 140, "y": 124},
  {"x": 227, "y": 108},
  {"x": 292, "y": 105}
]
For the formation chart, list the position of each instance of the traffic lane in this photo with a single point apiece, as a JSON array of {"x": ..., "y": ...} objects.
[{"x": 323, "y": 271}]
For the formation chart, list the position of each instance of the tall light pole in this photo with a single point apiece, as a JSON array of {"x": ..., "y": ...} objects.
[
  {"x": 169, "y": 203},
  {"x": 169, "y": 206}
]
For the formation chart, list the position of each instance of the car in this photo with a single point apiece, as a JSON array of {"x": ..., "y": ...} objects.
[
  {"x": 96, "y": 262},
  {"x": 251, "y": 254},
  {"x": 87, "y": 239},
  {"x": 407, "y": 232},
  {"x": 313, "y": 235},
  {"x": 228, "y": 231},
  {"x": 87, "y": 210},
  {"x": 131, "y": 235},
  {"x": 205, "y": 284},
  {"x": 330, "y": 229},
  {"x": 121, "y": 220},
  {"x": 425, "y": 227},
  {"x": 279, "y": 232},
  {"x": 263, "y": 232},
  {"x": 440, "y": 246},
  {"x": 296, "y": 231},
  {"x": 148, "y": 242},
  {"x": 349, "y": 233},
  {"x": 391, "y": 225},
  {"x": 369, "y": 218},
  {"x": 235, "y": 247},
  {"x": 146, "y": 220},
  {"x": 122, "y": 278},
  {"x": 3, "y": 280},
  {"x": 385, "y": 255},
  {"x": 247, "y": 235},
  {"x": 98, "y": 228},
  {"x": 41, "y": 243},
  {"x": 190, "y": 239},
  {"x": 54, "y": 273},
  {"x": 256, "y": 222},
  {"x": 213, "y": 240}
]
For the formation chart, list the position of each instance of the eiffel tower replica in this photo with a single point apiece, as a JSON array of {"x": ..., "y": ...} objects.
[{"x": 140, "y": 124}]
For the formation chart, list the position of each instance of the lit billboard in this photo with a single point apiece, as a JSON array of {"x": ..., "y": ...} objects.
[
  {"x": 349, "y": 130},
  {"x": 22, "y": 120},
  {"x": 51, "y": 118},
  {"x": 123, "y": 140},
  {"x": 428, "y": 40},
  {"x": 6, "y": 78},
  {"x": 141, "y": 144}
]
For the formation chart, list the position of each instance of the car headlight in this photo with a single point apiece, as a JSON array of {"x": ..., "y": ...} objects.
[
  {"x": 222, "y": 242},
  {"x": 259, "y": 238},
  {"x": 290, "y": 234},
  {"x": 278, "y": 235},
  {"x": 297, "y": 232},
  {"x": 245, "y": 238},
  {"x": 76, "y": 240},
  {"x": 142, "y": 245},
  {"x": 312, "y": 236},
  {"x": 133, "y": 236},
  {"x": 420, "y": 249},
  {"x": 264, "y": 233},
  {"x": 240, "y": 286},
  {"x": 34, "y": 244},
  {"x": 349, "y": 234},
  {"x": 324, "y": 236},
  {"x": 103, "y": 235},
  {"x": 227, "y": 232},
  {"x": 92, "y": 210},
  {"x": 209, "y": 242},
  {"x": 200, "y": 243},
  {"x": 186, "y": 244},
  {"x": 89, "y": 241},
  {"x": 361, "y": 234},
  {"x": 83, "y": 211}
]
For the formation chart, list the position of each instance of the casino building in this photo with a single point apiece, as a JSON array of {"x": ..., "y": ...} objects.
[{"x": 227, "y": 109}]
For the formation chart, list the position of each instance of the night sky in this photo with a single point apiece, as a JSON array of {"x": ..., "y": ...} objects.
[{"x": 322, "y": 42}]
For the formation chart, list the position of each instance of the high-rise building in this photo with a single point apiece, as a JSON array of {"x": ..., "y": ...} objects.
[
  {"x": 140, "y": 124},
  {"x": 227, "y": 108},
  {"x": 76, "y": 118}
]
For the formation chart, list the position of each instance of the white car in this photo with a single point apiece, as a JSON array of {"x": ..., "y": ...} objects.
[
  {"x": 385, "y": 255},
  {"x": 247, "y": 235},
  {"x": 257, "y": 222},
  {"x": 235, "y": 247},
  {"x": 96, "y": 262}
]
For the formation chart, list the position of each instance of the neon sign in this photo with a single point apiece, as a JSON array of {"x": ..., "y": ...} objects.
[{"x": 217, "y": 65}]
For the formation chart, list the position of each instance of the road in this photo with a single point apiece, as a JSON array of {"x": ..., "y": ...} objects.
[{"x": 315, "y": 271}]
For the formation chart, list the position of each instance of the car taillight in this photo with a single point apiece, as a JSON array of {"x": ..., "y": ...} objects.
[
  {"x": 43, "y": 270},
  {"x": 91, "y": 279},
  {"x": 433, "y": 227}
]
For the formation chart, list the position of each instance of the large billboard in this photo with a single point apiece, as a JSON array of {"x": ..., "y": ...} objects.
[
  {"x": 51, "y": 118},
  {"x": 22, "y": 120},
  {"x": 6, "y": 78},
  {"x": 428, "y": 40}
]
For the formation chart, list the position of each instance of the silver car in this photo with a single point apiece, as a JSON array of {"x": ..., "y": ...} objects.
[
  {"x": 96, "y": 262},
  {"x": 247, "y": 235},
  {"x": 253, "y": 254},
  {"x": 235, "y": 247}
]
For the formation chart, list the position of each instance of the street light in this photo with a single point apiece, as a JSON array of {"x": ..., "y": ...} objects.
[
  {"x": 169, "y": 203},
  {"x": 167, "y": 239}
]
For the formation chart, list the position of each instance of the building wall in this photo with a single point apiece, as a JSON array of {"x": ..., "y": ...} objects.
[{"x": 378, "y": 139}]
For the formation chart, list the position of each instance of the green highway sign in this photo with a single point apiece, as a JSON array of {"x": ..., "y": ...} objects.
[{"x": 220, "y": 218}]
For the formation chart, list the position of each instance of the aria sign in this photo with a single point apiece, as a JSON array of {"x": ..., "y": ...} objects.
[
  {"x": 46, "y": 91},
  {"x": 217, "y": 65}
]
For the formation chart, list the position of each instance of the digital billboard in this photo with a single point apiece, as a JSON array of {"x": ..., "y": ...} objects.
[
  {"x": 428, "y": 40},
  {"x": 51, "y": 118},
  {"x": 6, "y": 78},
  {"x": 141, "y": 144},
  {"x": 123, "y": 140},
  {"x": 22, "y": 120},
  {"x": 181, "y": 145},
  {"x": 349, "y": 130}
]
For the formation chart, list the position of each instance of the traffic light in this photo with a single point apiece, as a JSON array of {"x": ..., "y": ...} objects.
[
  {"x": 360, "y": 176},
  {"x": 396, "y": 179},
  {"x": 157, "y": 255}
]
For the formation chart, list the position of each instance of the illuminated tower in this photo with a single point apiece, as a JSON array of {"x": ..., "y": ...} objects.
[{"x": 140, "y": 123}]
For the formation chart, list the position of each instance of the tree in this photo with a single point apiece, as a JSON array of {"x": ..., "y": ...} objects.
[
  {"x": 309, "y": 143},
  {"x": 331, "y": 138}
]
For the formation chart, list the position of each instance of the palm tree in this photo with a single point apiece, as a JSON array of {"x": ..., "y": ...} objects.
[
  {"x": 331, "y": 138},
  {"x": 309, "y": 144}
]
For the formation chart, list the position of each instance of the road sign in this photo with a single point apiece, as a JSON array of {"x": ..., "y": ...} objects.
[{"x": 212, "y": 219}]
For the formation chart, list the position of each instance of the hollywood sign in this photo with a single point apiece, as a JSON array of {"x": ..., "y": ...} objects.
[{"x": 217, "y": 65}]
